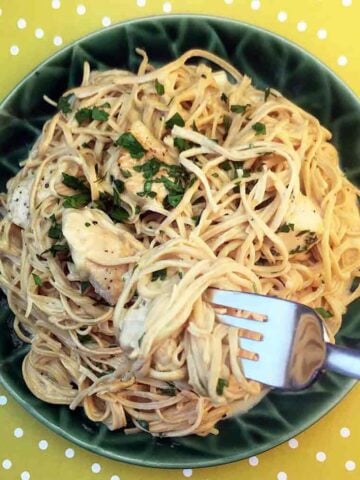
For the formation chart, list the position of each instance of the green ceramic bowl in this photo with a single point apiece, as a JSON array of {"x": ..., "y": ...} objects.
[{"x": 270, "y": 61}]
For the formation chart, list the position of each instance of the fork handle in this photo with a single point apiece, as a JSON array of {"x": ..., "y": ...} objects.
[{"x": 345, "y": 361}]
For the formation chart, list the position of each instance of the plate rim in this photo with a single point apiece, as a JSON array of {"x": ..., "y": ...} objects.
[{"x": 199, "y": 463}]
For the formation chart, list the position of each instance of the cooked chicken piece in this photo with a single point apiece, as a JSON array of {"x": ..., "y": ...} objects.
[
  {"x": 133, "y": 327},
  {"x": 147, "y": 140},
  {"x": 95, "y": 243},
  {"x": 304, "y": 223},
  {"x": 19, "y": 203}
]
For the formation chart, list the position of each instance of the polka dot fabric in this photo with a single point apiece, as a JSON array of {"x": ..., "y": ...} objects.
[{"x": 328, "y": 450}]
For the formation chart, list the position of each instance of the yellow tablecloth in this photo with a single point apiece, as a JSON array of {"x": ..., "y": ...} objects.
[{"x": 30, "y": 30}]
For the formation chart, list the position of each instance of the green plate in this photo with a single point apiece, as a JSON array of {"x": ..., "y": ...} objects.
[{"x": 270, "y": 61}]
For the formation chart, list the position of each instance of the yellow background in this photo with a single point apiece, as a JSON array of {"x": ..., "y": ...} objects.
[{"x": 341, "y": 24}]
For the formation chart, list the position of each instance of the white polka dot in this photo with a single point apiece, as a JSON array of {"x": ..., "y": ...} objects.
[
  {"x": 43, "y": 444},
  {"x": 253, "y": 461},
  {"x": 115, "y": 477},
  {"x": 106, "y": 21},
  {"x": 293, "y": 443},
  {"x": 25, "y": 476},
  {"x": 345, "y": 432},
  {"x": 282, "y": 16},
  {"x": 228, "y": 2},
  {"x": 14, "y": 50},
  {"x": 141, "y": 3},
  {"x": 187, "y": 472},
  {"x": 18, "y": 432},
  {"x": 302, "y": 26},
  {"x": 3, "y": 400},
  {"x": 342, "y": 60},
  {"x": 80, "y": 9},
  {"x": 58, "y": 41},
  {"x": 69, "y": 453},
  {"x": 7, "y": 464},
  {"x": 39, "y": 33},
  {"x": 56, "y": 4},
  {"x": 255, "y": 4},
  {"x": 347, "y": 3},
  {"x": 350, "y": 465},
  {"x": 320, "y": 456},
  {"x": 167, "y": 7},
  {"x": 21, "y": 23},
  {"x": 322, "y": 33},
  {"x": 282, "y": 476},
  {"x": 95, "y": 467},
  {"x": 1, "y": 12}
]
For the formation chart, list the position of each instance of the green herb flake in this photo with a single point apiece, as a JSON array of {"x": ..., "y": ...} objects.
[
  {"x": 83, "y": 115},
  {"x": 74, "y": 182},
  {"x": 99, "y": 114},
  {"x": 176, "y": 119},
  {"x": 239, "y": 108},
  {"x": 159, "y": 87},
  {"x": 194, "y": 127},
  {"x": 221, "y": 384},
  {"x": 226, "y": 166},
  {"x": 83, "y": 339},
  {"x": 324, "y": 313},
  {"x": 260, "y": 128},
  {"x": 119, "y": 185},
  {"x": 119, "y": 214},
  {"x": 57, "y": 248},
  {"x": 78, "y": 200},
  {"x": 87, "y": 224},
  {"x": 137, "y": 209},
  {"x": 125, "y": 173},
  {"x": 84, "y": 286},
  {"x": 181, "y": 144},
  {"x": 55, "y": 230},
  {"x": 63, "y": 104},
  {"x": 159, "y": 275},
  {"x": 37, "y": 280},
  {"x": 196, "y": 219},
  {"x": 286, "y": 227},
  {"x": 129, "y": 142}
]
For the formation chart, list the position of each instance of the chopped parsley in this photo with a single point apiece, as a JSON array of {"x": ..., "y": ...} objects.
[
  {"x": 55, "y": 230},
  {"x": 260, "y": 128},
  {"x": 324, "y": 313},
  {"x": 181, "y": 144},
  {"x": 150, "y": 168},
  {"x": 64, "y": 104},
  {"x": 57, "y": 248},
  {"x": 129, "y": 142},
  {"x": 239, "y": 108},
  {"x": 88, "y": 114},
  {"x": 226, "y": 165},
  {"x": 78, "y": 200},
  {"x": 74, "y": 182},
  {"x": 221, "y": 384},
  {"x": 171, "y": 390},
  {"x": 119, "y": 185},
  {"x": 176, "y": 119},
  {"x": 286, "y": 227},
  {"x": 137, "y": 209},
  {"x": 196, "y": 219},
  {"x": 111, "y": 205},
  {"x": 125, "y": 173},
  {"x": 37, "y": 280},
  {"x": 159, "y": 275},
  {"x": 159, "y": 87},
  {"x": 99, "y": 114},
  {"x": 84, "y": 286},
  {"x": 194, "y": 127}
]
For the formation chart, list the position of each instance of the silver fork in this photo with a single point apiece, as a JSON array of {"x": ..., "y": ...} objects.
[{"x": 291, "y": 349}]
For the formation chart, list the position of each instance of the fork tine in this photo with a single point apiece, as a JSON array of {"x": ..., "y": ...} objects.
[
  {"x": 242, "y": 300},
  {"x": 245, "y": 323}
]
